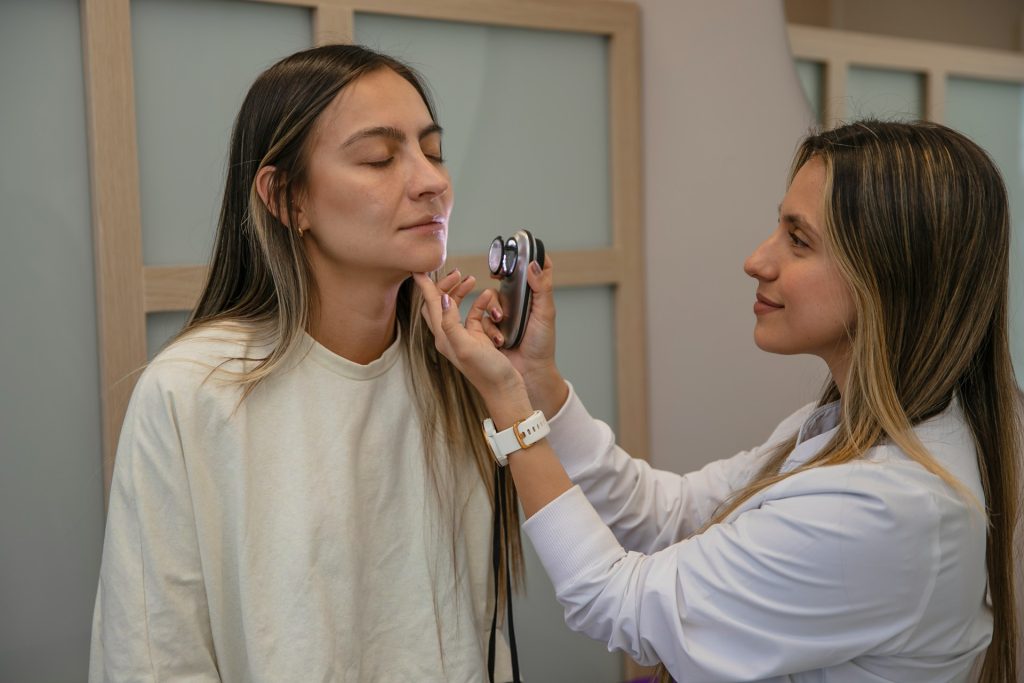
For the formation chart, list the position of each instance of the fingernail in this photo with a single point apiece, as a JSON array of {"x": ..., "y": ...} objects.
[
  {"x": 495, "y": 314},
  {"x": 453, "y": 270},
  {"x": 446, "y": 302},
  {"x": 497, "y": 339},
  {"x": 535, "y": 267}
]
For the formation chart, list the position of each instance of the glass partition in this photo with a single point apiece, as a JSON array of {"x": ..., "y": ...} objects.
[
  {"x": 884, "y": 94},
  {"x": 811, "y": 75},
  {"x": 992, "y": 114},
  {"x": 184, "y": 123},
  {"x": 526, "y": 126},
  {"x": 51, "y": 486},
  {"x": 526, "y": 140}
]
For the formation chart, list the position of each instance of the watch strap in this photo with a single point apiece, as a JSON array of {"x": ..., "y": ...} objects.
[{"x": 519, "y": 436}]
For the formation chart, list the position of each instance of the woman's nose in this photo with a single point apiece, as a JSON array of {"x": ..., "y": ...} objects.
[
  {"x": 759, "y": 264},
  {"x": 430, "y": 179}
]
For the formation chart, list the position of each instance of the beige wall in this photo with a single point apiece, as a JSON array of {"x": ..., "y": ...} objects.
[
  {"x": 984, "y": 23},
  {"x": 723, "y": 114}
]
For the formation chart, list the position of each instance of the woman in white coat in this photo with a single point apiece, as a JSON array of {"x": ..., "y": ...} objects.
[{"x": 870, "y": 538}]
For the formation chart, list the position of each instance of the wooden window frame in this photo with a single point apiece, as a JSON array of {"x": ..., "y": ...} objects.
[
  {"x": 127, "y": 290},
  {"x": 839, "y": 50}
]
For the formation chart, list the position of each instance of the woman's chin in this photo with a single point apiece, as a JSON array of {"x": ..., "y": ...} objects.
[{"x": 428, "y": 262}]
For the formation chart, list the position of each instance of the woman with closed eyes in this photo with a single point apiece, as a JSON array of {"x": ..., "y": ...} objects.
[{"x": 301, "y": 490}]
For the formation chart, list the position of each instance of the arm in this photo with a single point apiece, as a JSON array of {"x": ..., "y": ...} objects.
[
  {"x": 151, "y": 620},
  {"x": 805, "y": 581},
  {"x": 647, "y": 509},
  {"x": 820, "y": 572}
]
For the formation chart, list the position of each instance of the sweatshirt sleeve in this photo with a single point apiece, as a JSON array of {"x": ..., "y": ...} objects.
[
  {"x": 151, "y": 619},
  {"x": 818, "y": 576},
  {"x": 649, "y": 509}
]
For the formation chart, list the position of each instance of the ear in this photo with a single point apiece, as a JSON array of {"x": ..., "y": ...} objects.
[
  {"x": 264, "y": 186},
  {"x": 264, "y": 181}
]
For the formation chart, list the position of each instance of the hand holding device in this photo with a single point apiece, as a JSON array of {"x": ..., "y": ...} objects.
[{"x": 527, "y": 297}]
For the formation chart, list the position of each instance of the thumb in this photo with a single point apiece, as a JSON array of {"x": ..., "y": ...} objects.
[{"x": 542, "y": 283}]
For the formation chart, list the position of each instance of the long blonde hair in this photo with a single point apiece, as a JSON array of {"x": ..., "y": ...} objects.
[
  {"x": 917, "y": 219},
  {"x": 261, "y": 280}
]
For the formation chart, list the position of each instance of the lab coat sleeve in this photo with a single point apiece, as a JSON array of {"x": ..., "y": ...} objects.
[
  {"x": 649, "y": 509},
  {"x": 817, "y": 576},
  {"x": 151, "y": 619}
]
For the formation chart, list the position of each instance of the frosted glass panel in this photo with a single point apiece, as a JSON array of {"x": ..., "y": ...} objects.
[
  {"x": 51, "y": 483},
  {"x": 586, "y": 347},
  {"x": 526, "y": 126},
  {"x": 549, "y": 651},
  {"x": 884, "y": 94},
  {"x": 811, "y": 75},
  {"x": 194, "y": 61},
  {"x": 161, "y": 327},
  {"x": 992, "y": 114}
]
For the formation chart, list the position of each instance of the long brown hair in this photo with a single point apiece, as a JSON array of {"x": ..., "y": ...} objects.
[
  {"x": 261, "y": 281},
  {"x": 917, "y": 219}
]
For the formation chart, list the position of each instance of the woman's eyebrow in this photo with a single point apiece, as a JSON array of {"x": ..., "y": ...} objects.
[
  {"x": 390, "y": 133},
  {"x": 798, "y": 220}
]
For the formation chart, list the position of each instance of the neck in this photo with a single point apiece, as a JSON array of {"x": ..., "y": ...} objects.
[
  {"x": 355, "y": 316},
  {"x": 839, "y": 367}
]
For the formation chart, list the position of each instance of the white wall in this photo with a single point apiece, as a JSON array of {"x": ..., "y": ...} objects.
[{"x": 723, "y": 112}]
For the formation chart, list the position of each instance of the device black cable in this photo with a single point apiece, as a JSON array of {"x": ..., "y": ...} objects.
[{"x": 501, "y": 539}]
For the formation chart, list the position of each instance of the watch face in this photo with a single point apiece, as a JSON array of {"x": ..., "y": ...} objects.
[{"x": 495, "y": 255}]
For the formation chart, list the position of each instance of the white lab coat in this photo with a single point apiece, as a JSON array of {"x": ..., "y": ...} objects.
[{"x": 865, "y": 572}]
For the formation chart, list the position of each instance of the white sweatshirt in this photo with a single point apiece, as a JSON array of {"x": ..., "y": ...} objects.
[
  {"x": 294, "y": 536},
  {"x": 866, "y": 572}
]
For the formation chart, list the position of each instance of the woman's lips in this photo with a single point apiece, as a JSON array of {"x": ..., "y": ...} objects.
[
  {"x": 427, "y": 224},
  {"x": 766, "y": 305}
]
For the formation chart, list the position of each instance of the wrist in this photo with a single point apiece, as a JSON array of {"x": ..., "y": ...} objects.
[
  {"x": 508, "y": 406},
  {"x": 547, "y": 389}
]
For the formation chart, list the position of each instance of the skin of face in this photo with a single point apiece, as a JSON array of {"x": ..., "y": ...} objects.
[
  {"x": 803, "y": 304},
  {"x": 378, "y": 195}
]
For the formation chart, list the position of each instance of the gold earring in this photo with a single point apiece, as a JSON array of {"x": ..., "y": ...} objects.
[{"x": 300, "y": 231}]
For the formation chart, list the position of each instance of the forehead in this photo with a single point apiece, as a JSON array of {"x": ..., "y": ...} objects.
[
  {"x": 807, "y": 191},
  {"x": 379, "y": 98}
]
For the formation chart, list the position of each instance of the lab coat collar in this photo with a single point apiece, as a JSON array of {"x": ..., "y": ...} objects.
[
  {"x": 816, "y": 431},
  {"x": 824, "y": 419}
]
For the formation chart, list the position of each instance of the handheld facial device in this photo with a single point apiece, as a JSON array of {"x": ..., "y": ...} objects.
[{"x": 508, "y": 261}]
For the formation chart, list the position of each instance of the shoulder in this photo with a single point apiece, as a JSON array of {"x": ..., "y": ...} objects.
[
  {"x": 208, "y": 356},
  {"x": 879, "y": 514},
  {"x": 874, "y": 527}
]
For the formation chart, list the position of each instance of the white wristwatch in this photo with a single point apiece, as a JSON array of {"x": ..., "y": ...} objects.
[{"x": 519, "y": 436}]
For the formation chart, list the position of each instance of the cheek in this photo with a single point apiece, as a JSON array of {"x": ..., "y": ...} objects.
[
  {"x": 344, "y": 203},
  {"x": 833, "y": 305}
]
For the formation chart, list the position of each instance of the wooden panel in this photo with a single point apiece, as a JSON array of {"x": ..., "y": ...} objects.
[
  {"x": 935, "y": 95},
  {"x": 332, "y": 23},
  {"x": 592, "y": 16},
  {"x": 833, "y": 97},
  {"x": 177, "y": 288},
  {"x": 173, "y": 288},
  {"x": 117, "y": 237},
  {"x": 573, "y": 268},
  {"x": 904, "y": 54},
  {"x": 626, "y": 166}
]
